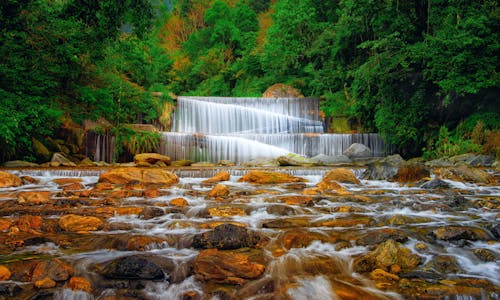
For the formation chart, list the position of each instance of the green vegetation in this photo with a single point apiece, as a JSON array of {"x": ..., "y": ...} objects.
[{"x": 424, "y": 74}]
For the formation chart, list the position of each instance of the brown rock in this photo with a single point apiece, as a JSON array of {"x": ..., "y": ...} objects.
[
  {"x": 29, "y": 180},
  {"x": 226, "y": 267},
  {"x": 379, "y": 274},
  {"x": 54, "y": 269},
  {"x": 80, "y": 284},
  {"x": 225, "y": 211},
  {"x": 181, "y": 202},
  {"x": 151, "y": 193},
  {"x": 411, "y": 172},
  {"x": 466, "y": 174},
  {"x": 73, "y": 187},
  {"x": 147, "y": 176},
  {"x": 4, "y": 273},
  {"x": 77, "y": 223},
  {"x": 66, "y": 181},
  {"x": 387, "y": 254},
  {"x": 28, "y": 223},
  {"x": 221, "y": 176},
  {"x": 5, "y": 224},
  {"x": 45, "y": 283},
  {"x": 140, "y": 243},
  {"x": 219, "y": 191},
  {"x": 297, "y": 200},
  {"x": 33, "y": 198},
  {"x": 455, "y": 233},
  {"x": 343, "y": 222},
  {"x": 263, "y": 177},
  {"x": 121, "y": 211},
  {"x": 9, "y": 180},
  {"x": 342, "y": 175},
  {"x": 280, "y": 90},
  {"x": 146, "y": 159}
]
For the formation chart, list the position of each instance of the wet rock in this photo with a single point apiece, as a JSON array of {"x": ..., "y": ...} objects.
[
  {"x": 19, "y": 164},
  {"x": 227, "y": 267},
  {"x": 322, "y": 159},
  {"x": 5, "y": 224},
  {"x": 141, "y": 243},
  {"x": 466, "y": 174},
  {"x": 73, "y": 187},
  {"x": 457, "y": 233},
  {"x": 150, "y": 212},
  {"x": 404, "y": 219},
  {"x": 45, "y": 283},
  {"x": 341, "y": 175},
  {"x": 180, "y": 202},
  {"x": 66, "y": 181},
  {"x": 150, "y": 159},
  {"x": 456, "y": 201},
  {"x": 146, "y": 176},
  {"x": 263, "y": 177},
  {"x": 387, "y": 254},
  {"x": 485, "y": 255},
  {"x": 297, "y": 200},
  {"x": 219, "y": 191},
  {"x": 300, "y": 238},
  {"x": 61, "y": 160},
  {"x": 9, "y": 180},
  {"x": 29, "y": 180},
  {"x": 295, "y": 222},
  {"x": 79, "y": 284},
  {"x": 495, "y": 230},
  {"x": 380, "y": 235},
  {"x": 261, "y": 162},
  {"x": 10, "y": 289},
  {"x": 225, "y": 211},
  {"x": 411, "y": 172},
  {"x": 280, "y": 210},
  {"x": 28, "y": 223},
  {"x": 385, "y": 169},
  {"x": 435, "y": 184},
  {"x": 343, "y": 222},
  {"x": 356, "y": 151},
  {"x": 379, "y": 274},
  {"x": 226, "y": 237},
  {"x": 443, "y": 264},
  {"x": 33, "y": 198},
  {"x": 132, "y": 267},
  {"x": 293, "y": 159},
  {"x": 221, "y": 176},
  {"x": 54, "y": 269},
  {"x": 182, "y": 163},
  {"x": 4, "y": 273},
  {"x": 77, "y": 223}
]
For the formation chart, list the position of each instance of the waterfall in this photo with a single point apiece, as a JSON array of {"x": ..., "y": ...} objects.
[{"x": 240, "y": 129}]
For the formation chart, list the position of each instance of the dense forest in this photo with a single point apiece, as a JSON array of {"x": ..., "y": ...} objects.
[{"x": 424, "y": 74}]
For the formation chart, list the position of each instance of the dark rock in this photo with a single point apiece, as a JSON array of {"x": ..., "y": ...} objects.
[
  {"x": 496, "y": 231},
  {"x": 62, "y": 160},
  {"x": 37, "y": 241},
  {"x": 150, "y": 212},
  {"x": 435, "y": 184},
  {"x": 457, "y": 201},
  {"x": 484, "y": 254},
  {"x": 429, "y": 275},
  {"x": 457, "y": 233},
  {"x": 443, "y": 264},
  {"x": 380, "y": 235},
  {"x": 132, "y": 267},
  {"x": 9, "y": 289},
  {"x": 357, "y": 150},
  {"x": 385, "y": 169},
  {"x": 225, "y": 237},
  {"x": 482, "y": 161}
]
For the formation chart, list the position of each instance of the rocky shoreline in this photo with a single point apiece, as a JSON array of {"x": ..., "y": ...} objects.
[{"x": 377, "y": 229}]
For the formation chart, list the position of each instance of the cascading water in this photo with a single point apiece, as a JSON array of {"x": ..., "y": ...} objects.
[{"x": 240, "y": 129}]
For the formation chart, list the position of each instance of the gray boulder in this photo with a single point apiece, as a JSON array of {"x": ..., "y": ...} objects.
[
  {"x": 322, "y": 159},
  {"x": 357, "y": 150}
]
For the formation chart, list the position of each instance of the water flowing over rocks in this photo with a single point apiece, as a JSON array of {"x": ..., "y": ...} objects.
[{"x": 275, "y": 233}]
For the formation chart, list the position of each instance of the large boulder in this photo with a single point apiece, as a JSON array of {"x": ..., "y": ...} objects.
[
  {"x": 146, "y": 176},
  {"x": 464, "y": 173},
  {"x": 280, "y": 90},
  {"x": 264, "y": 177},
  {"x": 342, "y": 175},
  {"x": 472, "y": 160},
  {"x": 54, "y": 269},
  {"x": 322, "y": 159},
  {"x": 149, "y": 159},
  {"x": 225, "y": 237},
  {"x": 219, "y": 191},
  {"x": 356, "y": 151},
  {"x": 457, "y": 233},
  {"x": 9, "y": 180},
  {"x": 388, "y": 254},
  {"x": 384, "y": 169},
  {"x": 411, "y": 172},
  {"x": 33, "y": 198},
  {"x": 221, "y": 176},
  {"x": 61, "y": 160},
  {"x": 228, "y": 267}
]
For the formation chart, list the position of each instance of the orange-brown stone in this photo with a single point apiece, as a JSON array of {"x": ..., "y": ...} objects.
[
  {"x": 219, "y": 191},
  {"x": 298, "y": 200},
  {"x": 181, "y": 202},
  {"x": 121, "y": 211},
  {"x": 264, "y": 177},
  {"x": 54, "y": 269},
  {"x": 80, "y": 284},
  {"x": 148, "y": 159},
  {"x": 147, "y": 176},
  {"x": 9, "y": 180},
  {"x": 151, "y": 193},
  {"x": 411, "y": 173},
  {"x": 140, "y": 243},
  {"x": 280, "y": 90},
  {"x": 77, "y": 223},
  {"x": 33, "y": 198},
  {"x": 342, "y": 175},
  {"x": 226, "y": 267},
  {"x": 73, "y": 187},
  {"x": 5, "y": 224},
  {"x": 28, "y": 223},
  {"x": 66, "y": 181},
  {"x": 4, "y": 273},
  {"x": 45, "y": 283},
  {"x": 225, "y": 211},
  {"x": 221, "y": 176}
]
